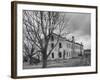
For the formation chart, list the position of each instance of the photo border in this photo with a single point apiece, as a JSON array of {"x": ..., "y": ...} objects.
[{"x": 14, "y": 37}]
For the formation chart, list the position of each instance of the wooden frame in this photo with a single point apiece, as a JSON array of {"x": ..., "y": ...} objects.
[{"x": 14, "y": 33}]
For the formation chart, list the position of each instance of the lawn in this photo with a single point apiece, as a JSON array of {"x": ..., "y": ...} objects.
[{"x": 73, "y": 62}]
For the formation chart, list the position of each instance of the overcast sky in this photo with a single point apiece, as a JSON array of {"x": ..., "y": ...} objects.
[{"x": 79, "y": 25}]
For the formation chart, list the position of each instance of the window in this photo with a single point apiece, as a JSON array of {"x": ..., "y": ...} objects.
[
  {"x": 76, "y": 47},
  {"x": 64, "y": 54},
  {"x": 64, "y": 51},
  {"x": 67, "y": 54},
  {"x": 60, "y": 46},
  {"x": 60, "y": 54},
  {"x": 52, "y": 38},
  {"x": 52, "y": 45},
  {"x": 68, "y": 45},
  {"x": 52, "y": 55}
]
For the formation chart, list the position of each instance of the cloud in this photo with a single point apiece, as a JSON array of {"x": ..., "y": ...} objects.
[{"x": 79, "y": 25}]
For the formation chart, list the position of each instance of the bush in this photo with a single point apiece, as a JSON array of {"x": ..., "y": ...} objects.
[
  {"x": 79, "y": 54},
  {"x": 25, "y": 59},
  {"x": 34, "y": 60}
]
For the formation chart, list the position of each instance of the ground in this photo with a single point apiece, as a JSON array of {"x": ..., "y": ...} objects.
[{"x": 73, "y": 62}]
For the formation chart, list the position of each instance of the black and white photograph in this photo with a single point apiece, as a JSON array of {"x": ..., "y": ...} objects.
[
  {"x": 53, "y": 39},
  {"x": 56, "y": 39}
]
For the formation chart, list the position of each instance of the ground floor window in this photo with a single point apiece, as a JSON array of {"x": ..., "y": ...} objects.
[
  {"x": 67, "y": 54},
  {"x": 52, "y": 55},
  {"x": 64, "y": 54},
  {"x": 60, "y": 54}
]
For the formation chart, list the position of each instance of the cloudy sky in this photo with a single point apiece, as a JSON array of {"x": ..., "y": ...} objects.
[{"x": 79, "y": 26}]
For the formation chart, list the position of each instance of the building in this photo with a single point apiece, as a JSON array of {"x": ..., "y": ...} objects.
[
  {"x": 64, "y": 49},
  {"x": 87, "y": 52}
]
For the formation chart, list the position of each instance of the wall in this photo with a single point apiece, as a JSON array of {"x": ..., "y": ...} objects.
[{"x": 5, "y": 41}]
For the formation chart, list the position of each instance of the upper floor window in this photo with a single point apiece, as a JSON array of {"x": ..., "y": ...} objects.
[
  {"x": 68, "y": 45},
  {"x": 52, "y": 45},
  {"x": 60, "y": 46},
  {"x": 52, "y": 38},
  {"x": 67, "y": 54}
]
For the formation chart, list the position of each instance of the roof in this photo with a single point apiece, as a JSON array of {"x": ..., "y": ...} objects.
[
  {"x": 67, "y": 39},
  {"x": 87, "y": 50}
]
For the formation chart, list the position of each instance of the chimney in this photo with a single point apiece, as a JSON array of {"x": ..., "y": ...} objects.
[{"x": 73, "y": 40}]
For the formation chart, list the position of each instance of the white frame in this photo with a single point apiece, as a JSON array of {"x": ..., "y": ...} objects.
[{"x": 66, "y": 70}]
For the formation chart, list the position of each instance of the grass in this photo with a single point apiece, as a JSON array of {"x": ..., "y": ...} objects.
[{"x": 73, "y": 62}]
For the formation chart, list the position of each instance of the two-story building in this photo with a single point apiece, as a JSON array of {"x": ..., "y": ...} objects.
[{"x": 64, "y": 49}]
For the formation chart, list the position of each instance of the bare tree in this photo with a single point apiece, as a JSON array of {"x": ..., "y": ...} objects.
[
  {"x": 39, "y": 26},
  {"x": 29, "y": 50}
]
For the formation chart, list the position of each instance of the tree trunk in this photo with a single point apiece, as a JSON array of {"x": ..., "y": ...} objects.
[
  {"x": 30, "y": 61},
  {"x": 44, "y": 58}
]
